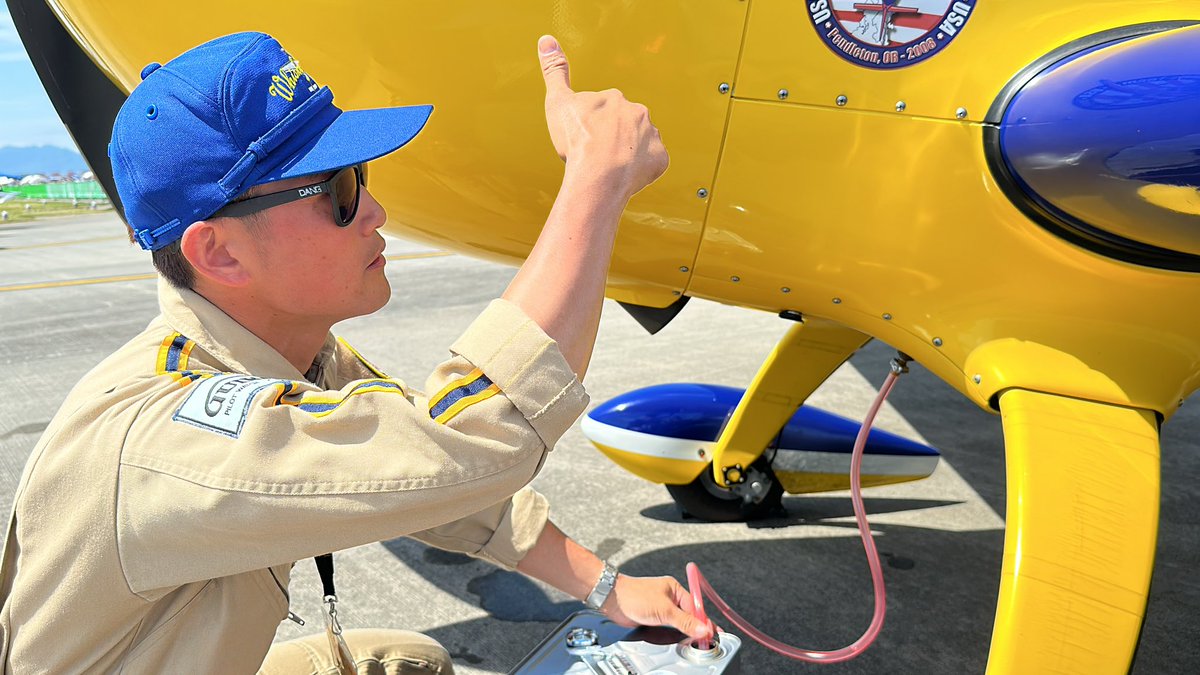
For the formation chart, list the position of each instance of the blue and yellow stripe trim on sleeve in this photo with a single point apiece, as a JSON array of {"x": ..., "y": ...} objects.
[
  {"x": 320, "y": 406},
  {"x": 461, "y": 394},
  {"x": 173, "y": 359}
]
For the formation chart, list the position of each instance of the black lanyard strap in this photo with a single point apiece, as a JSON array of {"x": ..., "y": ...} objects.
[{"x": 325, "y": 569}]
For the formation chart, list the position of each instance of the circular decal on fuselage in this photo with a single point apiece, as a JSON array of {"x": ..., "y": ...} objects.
[{"x": 889, "y": 33}]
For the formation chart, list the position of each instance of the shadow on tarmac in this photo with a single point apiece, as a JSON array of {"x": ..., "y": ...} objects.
[
  {"x": 815, "y": 592},
  {"x": 804, "y": 510},
  {"x": 812, "y": 592}
]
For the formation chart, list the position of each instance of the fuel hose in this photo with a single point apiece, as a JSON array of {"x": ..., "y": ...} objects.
[{"x": 700, "y": 587}]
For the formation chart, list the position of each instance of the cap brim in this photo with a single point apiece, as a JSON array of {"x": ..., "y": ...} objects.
[{"x": 356, "y": 136}]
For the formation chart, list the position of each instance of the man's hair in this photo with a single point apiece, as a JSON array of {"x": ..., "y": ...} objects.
[{"x": 175, "y": 268}]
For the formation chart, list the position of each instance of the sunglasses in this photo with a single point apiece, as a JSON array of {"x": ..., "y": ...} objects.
[{"x": 343, "y": 189}]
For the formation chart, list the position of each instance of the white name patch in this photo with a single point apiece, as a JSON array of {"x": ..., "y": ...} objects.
[{"x": 221, "y": 403}]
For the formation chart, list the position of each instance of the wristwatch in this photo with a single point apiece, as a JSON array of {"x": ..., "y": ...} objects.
[{"x": 604, "y": 586}]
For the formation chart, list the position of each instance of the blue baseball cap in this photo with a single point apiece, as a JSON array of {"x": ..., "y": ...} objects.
[{"x": 225, "y": 116}]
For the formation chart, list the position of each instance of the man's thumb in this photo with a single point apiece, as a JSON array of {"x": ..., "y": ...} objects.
[
  {"x": 554, "y": 65},
  {"x": 689, "y": 625}
]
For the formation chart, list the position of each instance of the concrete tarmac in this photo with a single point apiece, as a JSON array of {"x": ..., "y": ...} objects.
[{"x": 72, "y": 290}]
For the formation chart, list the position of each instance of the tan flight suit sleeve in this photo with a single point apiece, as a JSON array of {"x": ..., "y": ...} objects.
[
  {"x": 502, "y": 533},
  {"x": 282, "y": 471}
]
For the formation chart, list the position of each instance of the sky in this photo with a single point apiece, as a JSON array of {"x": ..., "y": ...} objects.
[{"x": 26, "y": 115}]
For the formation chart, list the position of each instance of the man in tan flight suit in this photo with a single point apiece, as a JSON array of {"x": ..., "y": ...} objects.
[{"x": 158, "y": 518}]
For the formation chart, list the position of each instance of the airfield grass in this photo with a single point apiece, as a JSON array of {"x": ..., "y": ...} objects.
[{"x": 23, "y": 210}]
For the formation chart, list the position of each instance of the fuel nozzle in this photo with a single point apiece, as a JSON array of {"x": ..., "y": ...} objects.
[{"x": 900, "y": 363}]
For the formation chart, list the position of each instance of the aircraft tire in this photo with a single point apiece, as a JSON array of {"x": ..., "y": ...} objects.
[{"x": 705, "y": 500}]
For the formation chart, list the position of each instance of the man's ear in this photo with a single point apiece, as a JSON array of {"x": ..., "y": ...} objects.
[{"x": 216, "y": 253}]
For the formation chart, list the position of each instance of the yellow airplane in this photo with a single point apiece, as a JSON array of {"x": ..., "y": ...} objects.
[{"x": 1003, "y": 189}]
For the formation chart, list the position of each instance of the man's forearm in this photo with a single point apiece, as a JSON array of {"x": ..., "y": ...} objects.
[
  {"x": 561, "y": 284},
  {"x": 561, "y": 562},
  {"x": 646, "y": 601}
]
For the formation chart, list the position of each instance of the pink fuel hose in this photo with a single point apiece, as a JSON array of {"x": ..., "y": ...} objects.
[{"x": 697, "y": 583}]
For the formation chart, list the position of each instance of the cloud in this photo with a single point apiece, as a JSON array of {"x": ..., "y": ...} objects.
[
  {"x": 28, "y": 116},
  {"x": 11, "y": 49},
  {"x": 8, "y": 30}
]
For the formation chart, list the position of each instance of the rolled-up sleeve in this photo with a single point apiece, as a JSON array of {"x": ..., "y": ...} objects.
[
  {"x": 527, "y": 366},
  {"x": 288, "y": 471}
]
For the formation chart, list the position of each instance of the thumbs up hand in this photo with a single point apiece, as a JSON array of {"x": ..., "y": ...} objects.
[{"x": 599, "y": 131}]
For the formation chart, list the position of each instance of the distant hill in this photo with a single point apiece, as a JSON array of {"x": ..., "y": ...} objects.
[{"x": 44, "y": 159}]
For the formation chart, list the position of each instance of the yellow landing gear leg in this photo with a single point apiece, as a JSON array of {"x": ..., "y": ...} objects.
[
  {"x": 1083, "y": 483},
  {"x": 805, "y": 357}
]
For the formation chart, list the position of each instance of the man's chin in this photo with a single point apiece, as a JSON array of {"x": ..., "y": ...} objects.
[
  {"x": 371, "y": 298},
  {"x": 375, "y": 297}
]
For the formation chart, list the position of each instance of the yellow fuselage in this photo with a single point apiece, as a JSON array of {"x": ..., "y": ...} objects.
[
  {"x": 859, "y": 197},
  {"x": 853, "y": 212}
]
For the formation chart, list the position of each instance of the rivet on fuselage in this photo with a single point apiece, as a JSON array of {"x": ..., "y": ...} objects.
[
  {"x": 702, "y": 193},
  {"x": 842, "y": 100},
  {"x": 937, "y": 342},
  {"x": 837, "y": 301},
  {"x": 683, "y": 268},
  {"x": 887, "y": 317},
  {"x": 977, "y": 379},
  {"x": 785, "y": 289},
  {"x": 783, "y": 94},
  {"x": 961, "y": 113},
  {"x": 900, "y": 106},
  {"x": 723, "y": 87},
  {"x": 735, "y": 278}
]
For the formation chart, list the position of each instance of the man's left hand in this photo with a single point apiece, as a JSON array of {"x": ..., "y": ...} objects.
[{"x": 653, "y": 601}]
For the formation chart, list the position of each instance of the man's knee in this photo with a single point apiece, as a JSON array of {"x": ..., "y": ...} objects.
[
  {"x": 393, "y": 652},
  {"x": 376, "y": 651}
]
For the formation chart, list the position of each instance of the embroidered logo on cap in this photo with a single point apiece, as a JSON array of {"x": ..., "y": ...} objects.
[{"x": 284, "y": 84}]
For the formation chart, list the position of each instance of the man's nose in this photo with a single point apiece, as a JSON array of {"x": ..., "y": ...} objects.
[{"x": 370, "y": 212}]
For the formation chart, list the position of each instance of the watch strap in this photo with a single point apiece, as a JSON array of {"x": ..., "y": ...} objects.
[{"x": 604, "y": 586}]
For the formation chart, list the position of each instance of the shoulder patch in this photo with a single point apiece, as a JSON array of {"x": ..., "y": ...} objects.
[{"x": 220, "y": 403}]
